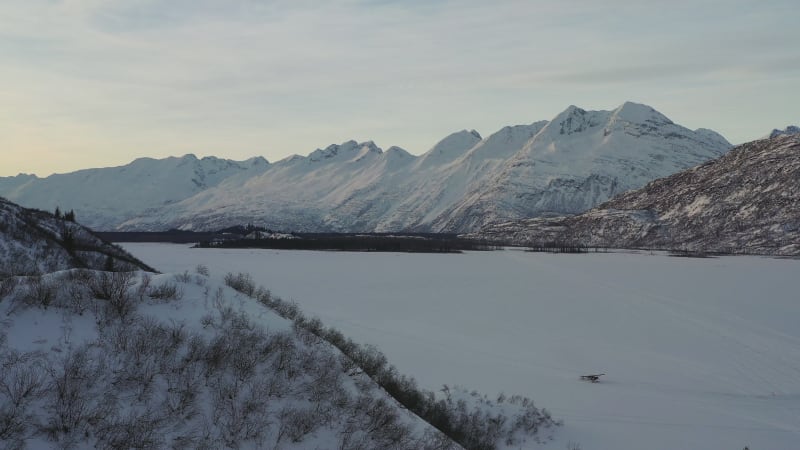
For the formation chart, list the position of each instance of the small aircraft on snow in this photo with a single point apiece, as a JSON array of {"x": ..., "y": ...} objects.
[{"x": 592, "y": 378}]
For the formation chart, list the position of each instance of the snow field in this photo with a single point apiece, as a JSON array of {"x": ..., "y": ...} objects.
[{"x": 699, "y": 353}]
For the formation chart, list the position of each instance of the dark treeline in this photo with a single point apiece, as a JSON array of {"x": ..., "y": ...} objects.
[
  {"x": 360, "y": 243},
  {"x": 562, "y": 247},
  {"x": 171, "y": 236}
]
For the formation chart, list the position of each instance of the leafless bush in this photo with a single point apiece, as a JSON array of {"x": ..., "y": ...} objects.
[
  {"x": 239, "y": 411},
  {"x": 295, "y": 423},
  {"x": 7, "y": 287},
  {"x": 184, "y": 277},
  {"x": 110, "y": 285},
  {"x": 13, "y": 426},
  {"x": 183, "y": 386},
  {"x": 140, "y": 430},
  {"x": 143, "y": 289},
  {"x": 114, "y": 287},
  {"x": 166, "y": 291},
  {"x": 79, "y": 297},
  {"x": 23, "y": 380},
  {"x": 70, "y": 382},
  {"x": 39, "y": 292},
  {"x": 241, "y": 282},
  {"x": 201, "y": 269}
]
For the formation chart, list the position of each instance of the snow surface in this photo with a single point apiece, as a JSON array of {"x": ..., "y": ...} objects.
[{"x": 699, "y": 353}]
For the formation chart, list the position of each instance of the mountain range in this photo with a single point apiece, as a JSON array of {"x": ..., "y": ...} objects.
[
  {"x": 567, "y": 165},
  {"x": 747, "y": 201}
]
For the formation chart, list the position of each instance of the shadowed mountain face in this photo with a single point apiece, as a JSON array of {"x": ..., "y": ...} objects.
[
  {"x": 34, "y": 242},
  {"x": 747, "y": 201},
  {"x": 563, "y": 166}
]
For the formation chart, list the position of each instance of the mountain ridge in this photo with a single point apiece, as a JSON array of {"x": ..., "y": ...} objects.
[{"x": 565, "y": 165}]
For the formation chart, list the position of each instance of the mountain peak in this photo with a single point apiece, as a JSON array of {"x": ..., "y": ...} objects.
[
  {"x": 348, "y": 149},
  {"x": 459, "y": 141},
  {"x": 791, "y": 129},
  {"x": 256, "y": 161},
  {"x": 451, "y": 147},
  {"x": 571, "y": 120},
  {"x": 370, "y": 146},
  {"x": 639, "y": 113}
]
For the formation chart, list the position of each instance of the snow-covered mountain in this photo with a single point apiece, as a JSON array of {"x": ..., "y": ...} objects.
[
  {"x": 747, "y": 201},
  {"x": 33, "y": 242},
  {"x": 567, "y": 165},
  {"x": 103, "y": 198}
]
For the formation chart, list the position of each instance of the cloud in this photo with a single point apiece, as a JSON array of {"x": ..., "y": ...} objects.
[{"x": 290, "y": 76}]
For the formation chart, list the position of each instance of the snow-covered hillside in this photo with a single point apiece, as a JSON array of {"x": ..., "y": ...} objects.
[
  {"x": 190, "y": 364},
  {"x": 34, "y": 242},
  {"x": 567, "y": 165},
  {"x": 747, "y": 201}
]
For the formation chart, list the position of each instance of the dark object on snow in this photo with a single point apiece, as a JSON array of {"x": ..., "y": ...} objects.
[{"x": 594, "y": 378}]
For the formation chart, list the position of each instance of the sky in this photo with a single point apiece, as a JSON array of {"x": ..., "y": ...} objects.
[{"x": 93, "y": 83}]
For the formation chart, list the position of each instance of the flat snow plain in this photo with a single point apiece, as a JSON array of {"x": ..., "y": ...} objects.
[{"x": 698, "y": 353}]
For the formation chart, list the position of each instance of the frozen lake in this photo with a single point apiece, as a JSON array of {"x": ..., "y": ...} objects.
[{"x": 699, "y": 353}]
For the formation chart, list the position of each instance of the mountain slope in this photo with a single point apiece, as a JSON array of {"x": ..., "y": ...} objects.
[
  {"x": 566, "y": 165},
  {"x": 33, "y": 242},
  {"x": 747, "y": 201}
]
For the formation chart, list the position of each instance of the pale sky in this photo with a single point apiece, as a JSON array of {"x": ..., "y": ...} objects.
[{"x": 92, "y": 83}]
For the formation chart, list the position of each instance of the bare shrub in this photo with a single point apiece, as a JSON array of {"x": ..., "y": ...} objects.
[
  {"x": 70, "y": 382},
  {"x": 7, "y": 287},
  {"x": 239, "y": 411},
  {"x": 201, "y": 269},
  {"x": 79, "y": 297},
  {"x": 166, "y": 291},
  {"x": 23, "y": 380},
  {"x": 184, "y": 383},
  {"x": 143, "y": 289},
  {"x": 110, "y": 285},
  {"x": 39, "y": 292},
  {"x": 140, "y": 430},
  {"x": 295, "y": 423},
  {"x": 241, "y": 282},
  {"x": 114, "y": 287},
  {"x": 184, "y": 277}
]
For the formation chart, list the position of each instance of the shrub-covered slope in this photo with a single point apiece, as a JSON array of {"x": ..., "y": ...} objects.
[
  {"x": 33, "y": 242},
  {"x": 130, "y": 360}
]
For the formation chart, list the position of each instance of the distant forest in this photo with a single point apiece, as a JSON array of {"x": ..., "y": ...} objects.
[
  {"x": 241, "y": 237},
  {"x": 428, "y": 243}
]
